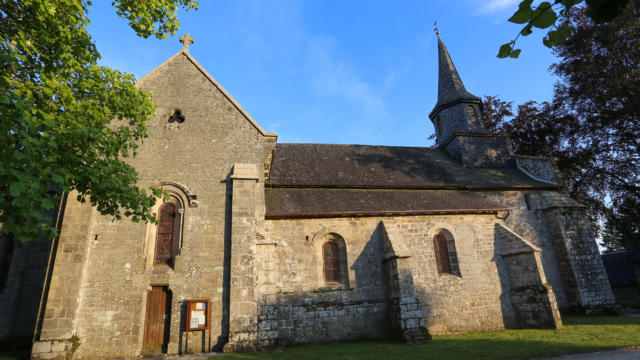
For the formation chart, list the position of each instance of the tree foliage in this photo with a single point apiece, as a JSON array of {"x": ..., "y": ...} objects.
[
  {"x": 496, "y": 112},
  {"x": 622, "y": 227},
  {"x": 592, "y": 126},
  {"x": 68, "y": 123},
  {"x": 558, "y": 18}
]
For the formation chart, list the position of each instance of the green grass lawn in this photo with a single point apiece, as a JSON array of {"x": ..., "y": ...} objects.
[{"x": 580, "y": 333}]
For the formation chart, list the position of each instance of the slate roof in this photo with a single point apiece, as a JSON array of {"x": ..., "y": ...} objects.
[
  {"x": 368, "y": 166},
  {"x": 305, "y": 202},
  {"x": 618, "y": 270}
]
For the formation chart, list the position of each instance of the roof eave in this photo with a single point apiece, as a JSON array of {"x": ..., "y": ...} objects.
[
  {"x": 435, "y": 187},
  {"x": 279, "y": 216}
]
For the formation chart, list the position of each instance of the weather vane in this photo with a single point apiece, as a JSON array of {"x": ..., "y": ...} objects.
[{"x": 435, "y": 28}]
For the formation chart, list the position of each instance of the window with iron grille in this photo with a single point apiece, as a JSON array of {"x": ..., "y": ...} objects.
[{"x": 331, "y": 267}]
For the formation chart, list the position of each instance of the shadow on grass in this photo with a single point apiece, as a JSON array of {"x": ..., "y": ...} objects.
[
  {"x": 601, "y": 320},
  {"x": 580, "y": 334}
]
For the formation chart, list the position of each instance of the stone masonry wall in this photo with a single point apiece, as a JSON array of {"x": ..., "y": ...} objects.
[
  {"x": 105, "y": 293},
  {"x": 533, "y": 300},
  {"x": 450, "y": 304},
  {"x": 530, "y": 223},
  {"x": 586, "y": 282},
  {"x": 244, "y": 230},
  {"x": 549, "y": 230},
  {"x": 63, "y": 300}
]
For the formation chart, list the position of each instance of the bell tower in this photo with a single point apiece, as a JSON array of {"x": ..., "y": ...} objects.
[{"x": 458, "y": 124}]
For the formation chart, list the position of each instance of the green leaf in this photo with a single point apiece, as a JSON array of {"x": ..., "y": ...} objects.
[
  {"x": 16, "y": 189},
  {"x": 547, "y": 41},
  {"x": 570, "y": 3},
  {"x": 602, "y": 11},
  {"x": 565, "y": 30},
  {"x": 515, "y": 53},
  {"x": 57, "y": 179},
  {"x": 526, "y": 31},
  {"x": 544, "y": 16},
  {"x": 505, "y": 50},
  {"x": 47, "y": 204},
  {"x": 557, "y": 37},
  {"x": 523, "y": 14}
]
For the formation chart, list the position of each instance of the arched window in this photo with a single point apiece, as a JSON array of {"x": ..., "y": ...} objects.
[
  {"x": 331, "y": 267},
  {"x": 167, "y": 234},
  {"x": 445, "y": 252},
  {"x": 334, "y": 260}
]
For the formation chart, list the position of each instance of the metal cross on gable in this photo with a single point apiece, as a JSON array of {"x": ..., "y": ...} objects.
[
  {"x": 435, "y": 28},
  {"x": 186, "y": 40}
]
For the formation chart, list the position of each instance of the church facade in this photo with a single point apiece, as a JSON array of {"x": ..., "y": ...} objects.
[{"x": 265, "y": 244}]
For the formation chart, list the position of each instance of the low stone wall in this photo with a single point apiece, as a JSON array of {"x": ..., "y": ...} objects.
[
  {"x": 407, "y": 320},
  {"x": 536, "y": 307},
  {"x": 55, "y": 349},
  {"x": 316, "y": 317}
]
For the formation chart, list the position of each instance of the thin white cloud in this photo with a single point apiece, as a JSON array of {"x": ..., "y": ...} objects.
[
  {"x": 492, "y": 7},
  {"x": 394, "y": 75},
  {"x": 339, "y": 78}
]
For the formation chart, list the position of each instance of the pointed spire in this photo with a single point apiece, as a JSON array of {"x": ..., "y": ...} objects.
[{"x": 450, "y": 86}]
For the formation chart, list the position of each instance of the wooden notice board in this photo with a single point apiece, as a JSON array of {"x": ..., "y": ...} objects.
[{"x": 198, "y": 317}]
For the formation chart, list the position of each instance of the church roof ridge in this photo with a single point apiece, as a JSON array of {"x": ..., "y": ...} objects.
[{"x": 185, "y": 52}]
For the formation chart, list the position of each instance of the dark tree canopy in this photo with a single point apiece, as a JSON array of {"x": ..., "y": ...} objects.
[
  {"x": 496, "y": 112},
  {"x": 592, "y": 126}
]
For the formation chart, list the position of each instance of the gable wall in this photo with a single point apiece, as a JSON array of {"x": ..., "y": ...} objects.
[{"x": 198, "y": 154}]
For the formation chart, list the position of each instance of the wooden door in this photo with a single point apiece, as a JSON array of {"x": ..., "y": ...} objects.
[{"x": 156, "y": 323}]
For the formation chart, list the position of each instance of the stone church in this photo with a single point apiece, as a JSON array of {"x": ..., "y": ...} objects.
[{"x": 265, "y": 244}]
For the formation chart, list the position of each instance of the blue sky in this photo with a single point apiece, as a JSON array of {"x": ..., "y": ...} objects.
[{"x": 358, "y": 72}]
